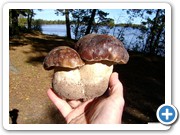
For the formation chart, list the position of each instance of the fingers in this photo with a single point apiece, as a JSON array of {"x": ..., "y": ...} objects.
[
  {"x": 62, "y": 105},
  {"x": 79, "y": 111},
  {"x": 114, "y": 79},
  {"x": 74, "y": 103},
  {"x": 115, "y": 86},
  {"x": 116, "y": 93}
]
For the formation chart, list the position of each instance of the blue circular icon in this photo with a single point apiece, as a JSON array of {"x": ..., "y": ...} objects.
[{"x": 167, "y": 114}]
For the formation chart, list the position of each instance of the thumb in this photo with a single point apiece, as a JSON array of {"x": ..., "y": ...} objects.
[{"x": 115, "y": 86}]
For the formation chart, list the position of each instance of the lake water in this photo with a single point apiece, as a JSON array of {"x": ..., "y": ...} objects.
[{"x": 130, "y": 35}]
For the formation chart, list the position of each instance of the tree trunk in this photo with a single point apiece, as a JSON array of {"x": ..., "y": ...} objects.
[
  {"x": 153, "y": 33},
  {"x": 29, "y": 19},
  {"x": 15, "y": 28},
  {"x": 76, "y": 29},
  {"x": 90, "y": 22},
  {"x": 68, "y": 29},
  {"x": 28, "y": 22}
]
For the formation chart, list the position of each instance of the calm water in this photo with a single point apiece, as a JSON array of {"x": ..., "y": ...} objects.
[
  {"x": 130, "y": 34},
  {"x": 56, "y": 29}
]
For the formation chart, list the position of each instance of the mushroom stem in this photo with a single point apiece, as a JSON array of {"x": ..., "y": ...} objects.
[
  {"x": 95, "y": 77},
  {"x": 86, "y": 82},
  {"x": 68, "y": 84}
]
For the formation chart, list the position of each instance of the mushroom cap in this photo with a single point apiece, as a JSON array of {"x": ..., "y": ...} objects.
[
  {"x": 96, "y": 47},
  {"x": 62, "y": 56}
]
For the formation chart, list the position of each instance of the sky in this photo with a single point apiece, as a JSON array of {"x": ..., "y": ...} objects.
[{"x": 118, "y": 15}]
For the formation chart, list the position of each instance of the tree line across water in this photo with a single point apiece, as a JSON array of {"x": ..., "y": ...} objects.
[
  {"x": 23, "y": 22},
  {"x": 84, "y": 21}
]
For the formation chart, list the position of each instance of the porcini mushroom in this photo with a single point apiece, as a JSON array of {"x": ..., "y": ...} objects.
[
  {"x": 85, "y": 74},
  {"x": 100, "y": 53},
  {"x": 66, "y": 80}
]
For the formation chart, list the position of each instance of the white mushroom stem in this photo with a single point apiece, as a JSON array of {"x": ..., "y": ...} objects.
[
  {"x": 95, "y": 78},
  {"x": 89, "y": 81}
]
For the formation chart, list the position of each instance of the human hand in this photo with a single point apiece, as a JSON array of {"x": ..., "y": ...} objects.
[{"x": 106, "y": 109}]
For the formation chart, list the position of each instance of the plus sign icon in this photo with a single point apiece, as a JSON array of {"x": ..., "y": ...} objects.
[{"x": 167, "y": 114}]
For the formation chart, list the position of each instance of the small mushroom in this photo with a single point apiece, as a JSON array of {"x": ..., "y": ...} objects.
[
  {"x": 66, "y": 80},
  {"x": 85, "y": 74}
]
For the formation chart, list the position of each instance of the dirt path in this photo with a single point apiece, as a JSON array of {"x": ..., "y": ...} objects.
[
  {"x": 29, "y": 81},
  {"x": 143, "y": 80}
]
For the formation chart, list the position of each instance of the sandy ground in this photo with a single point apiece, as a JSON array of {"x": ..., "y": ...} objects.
[{"x": 29, "y": 83}]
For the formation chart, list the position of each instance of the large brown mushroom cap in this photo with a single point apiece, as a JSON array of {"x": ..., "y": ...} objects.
[
  {"x": 95, "y": 47},
  {"x": 62, "y": 56}
]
